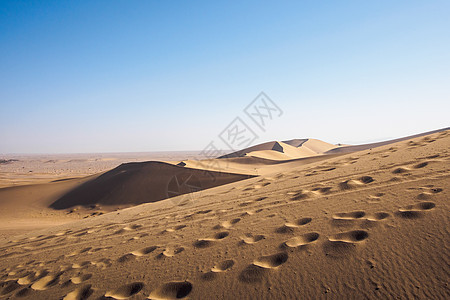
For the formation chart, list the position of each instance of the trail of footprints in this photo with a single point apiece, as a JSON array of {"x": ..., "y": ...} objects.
[
  {"x": 318, "y": 190},
  {"x": 21, "y": 282}
]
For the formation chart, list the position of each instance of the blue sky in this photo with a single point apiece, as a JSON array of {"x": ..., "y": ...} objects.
[{"x": 119, "y": 76}]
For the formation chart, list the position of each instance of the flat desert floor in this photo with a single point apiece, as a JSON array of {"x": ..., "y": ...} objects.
[{"x": 281, "y": 224}]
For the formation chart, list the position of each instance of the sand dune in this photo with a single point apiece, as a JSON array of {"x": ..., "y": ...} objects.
[
  {"x": 354, "y": 148},
  {"x": 318, "y": 146},
  {"x": 137, "y": 183},
  {"x": 253, "y": 165},
  {"x": 287, "y": 150},
  {"x": 16, "y": 170},
  {"x": 365, "y": 225}
]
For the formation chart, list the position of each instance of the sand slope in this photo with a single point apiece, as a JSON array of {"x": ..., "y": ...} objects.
[
  {"x": 17, "y": 170},
  {"x": 366, "y": 225},
  {"x": 25, "y": 208},
  {"x": 287, "y": 150},
  {"x": 349, "y": 149},
  {"x": 136, "y": 183}
]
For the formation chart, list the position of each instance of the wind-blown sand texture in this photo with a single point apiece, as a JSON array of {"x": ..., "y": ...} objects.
[{"x": 371, "y": 224}]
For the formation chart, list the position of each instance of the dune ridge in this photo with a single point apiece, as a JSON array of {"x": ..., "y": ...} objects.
[{"x": 285, "y": 150}]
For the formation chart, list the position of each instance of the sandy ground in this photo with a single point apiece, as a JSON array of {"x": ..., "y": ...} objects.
[
  {"x": 371, "y": 224},
  {"x": 31, "y": 169}
]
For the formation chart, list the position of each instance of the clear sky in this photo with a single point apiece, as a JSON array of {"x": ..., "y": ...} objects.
[{"x": 115, "y": 76}]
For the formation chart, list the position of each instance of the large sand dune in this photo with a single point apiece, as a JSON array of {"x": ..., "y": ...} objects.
[
  {"x": 370, "y": 224},
  {"x": 353, "y": 148},
  {"x": 137, "y": 183}
]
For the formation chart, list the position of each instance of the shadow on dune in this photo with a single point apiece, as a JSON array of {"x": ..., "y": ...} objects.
[{"x": 143, "y": 182}]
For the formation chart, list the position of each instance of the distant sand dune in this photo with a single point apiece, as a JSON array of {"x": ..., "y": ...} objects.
[
  {"x": 287, "y": 150},
  {"x": 136, "y": 183}
]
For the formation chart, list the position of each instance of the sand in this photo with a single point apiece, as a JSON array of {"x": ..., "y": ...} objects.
[
  {"x": 22, "y": 169},
  {"x": 368, "y": 224}
]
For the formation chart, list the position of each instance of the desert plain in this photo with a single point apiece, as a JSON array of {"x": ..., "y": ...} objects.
[{"x": 296, "y": 219}]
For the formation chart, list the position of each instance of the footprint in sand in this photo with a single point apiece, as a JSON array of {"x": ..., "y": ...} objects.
[
  {"x": 395, "y": 179},
  {"x": 401, "y": 170},
  {"x": 144, "y": 251},
  {"x": 138, "y": 236},
  {"x": 125, "y": 291},
  {"x": 255, "y": 272},
  {"x": 247, "y": 213},
  {"x": 172, "y": 290},
  {"x": 218, "y": 268},
  {"x": 80, "y": 278},
  {"x": 127, "y": 228},
  {"x": 413, "y": 144},
  {"x": 327, "y": 169},
  {"x": 376, "y": 196},
  {"x": 202, "y": 212},
  {"x": 313, "y": 173},
  {"x": 256, "y": 186},
  {"x": 77, "y": 252},
  {"x": 349, "y": 184},
  {"x": 291, "y": 226},
  {"x": 252, "y": 239},
  {"x": 81, "y": 265},
  {"x": 366, "y": 179},
  {"x": 343, "y": 244},
  {"x": 321, "y": 190},
  {"x": 428, "y": 193},
  {"x": 208, "y": 242},
  {"x": 271, "y": 261},
  {"x": 170, "y": 251},
  {"x": 349, "y": 216},
  {"x": 300, "y": 195},
  {"x": 80, "y": 293},
  {"x": 354, "y": 236},
  {"x": 35, "y": 237},
  {"x": 424, "y": 196},
  {"x": 428, "y": 140},
  {"x": 46, "y": 282},
  {"x": 173, "y": 229},
  {"x": 126, "y": 258},
  {"x": 378, "y": 216},
  {"x": 436, "y": 190},
  {"x": 261, "y": 184},
  {"x": 27, "y": 278},
  {"x": 102, "y": 263},
  {"x": 301, "y": 241},
  {"x": 405, "y": 170},
  {"x": 32, "y": 277},
  {"x": 97, "y": 249},
  {"x": 223, "y": 266},
  {"x": 415, "y": 211},
  {"x": 246, "y": 203},
  {"x": 227, "y": 224},
  {"x": 420, "y": 165}
]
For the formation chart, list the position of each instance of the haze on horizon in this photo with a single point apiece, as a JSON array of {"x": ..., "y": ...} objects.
[{"x": 156, "y": 76}]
